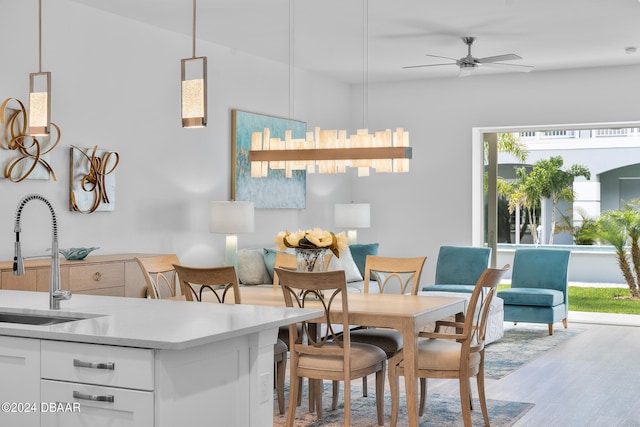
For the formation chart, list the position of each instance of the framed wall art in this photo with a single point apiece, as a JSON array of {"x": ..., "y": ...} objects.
[
  {"x": 274, "y": 191},
  {"x": 93, "y": 180}
]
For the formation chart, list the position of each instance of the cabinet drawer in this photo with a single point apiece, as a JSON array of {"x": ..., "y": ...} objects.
[
  {"x": 96, "y": 276},
  {"x": 123, "y": 408},
  {"x": 98, "y": 364}
]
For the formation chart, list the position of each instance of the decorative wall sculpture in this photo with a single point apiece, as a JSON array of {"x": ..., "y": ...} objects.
[
  {"x": 23, "y": 156},
  {"x": 93, "y": 181},
  {"x": 275, "y": 191}
]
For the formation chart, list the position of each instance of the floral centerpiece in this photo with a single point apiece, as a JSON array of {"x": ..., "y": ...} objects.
[{"x": 310, "y": 246}]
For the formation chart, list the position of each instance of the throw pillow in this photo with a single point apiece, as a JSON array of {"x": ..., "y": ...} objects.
[
  {"x": 269, "y": 256},
  {"x": 251, "y": 267},
  {"x": 360, "y": 252},
  {"x": 346, "y": 263}
]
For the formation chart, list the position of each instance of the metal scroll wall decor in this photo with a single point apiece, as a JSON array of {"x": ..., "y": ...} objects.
[
  {"x": 93, "y": 179},
  {"x": 23, "y": 156}
]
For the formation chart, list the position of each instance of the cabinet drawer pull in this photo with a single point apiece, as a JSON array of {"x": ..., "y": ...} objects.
[
  {"x": 94, "y": 365},
  {"x": 97, "y": 276},
  {"x": 93, "y": 397}
]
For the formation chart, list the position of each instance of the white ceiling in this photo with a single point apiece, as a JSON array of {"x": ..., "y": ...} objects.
[{"x": 329, "y": 36}]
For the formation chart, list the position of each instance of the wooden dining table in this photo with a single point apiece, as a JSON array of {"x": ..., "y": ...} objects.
[{"x": 407, "y": 314}]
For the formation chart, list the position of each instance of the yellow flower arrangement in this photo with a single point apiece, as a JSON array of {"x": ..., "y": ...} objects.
[{"x": 312, "y": 239}]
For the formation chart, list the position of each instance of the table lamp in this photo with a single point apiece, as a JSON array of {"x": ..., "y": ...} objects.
[
  {"x": 231, "y": 218},
  {"x": 352, "y": 216}
]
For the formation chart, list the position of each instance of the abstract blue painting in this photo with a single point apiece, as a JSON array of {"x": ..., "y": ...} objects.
[{"x": 275, "y": 191}]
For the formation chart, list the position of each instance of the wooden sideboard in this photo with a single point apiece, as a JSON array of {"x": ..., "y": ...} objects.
[{"x": 114, "y": 275}]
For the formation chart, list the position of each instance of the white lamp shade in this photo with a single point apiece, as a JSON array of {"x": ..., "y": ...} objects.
[
  {"x": 353, "y": 215},
  {"x": 231, "y": 217}
]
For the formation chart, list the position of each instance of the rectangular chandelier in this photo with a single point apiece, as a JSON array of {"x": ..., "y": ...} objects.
[{"x": 331, "y": 152}]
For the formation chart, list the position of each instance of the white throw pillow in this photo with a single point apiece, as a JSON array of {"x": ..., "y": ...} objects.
[
  {"x": 251, "y": 267},
  {"x": 346, "y": 263}
]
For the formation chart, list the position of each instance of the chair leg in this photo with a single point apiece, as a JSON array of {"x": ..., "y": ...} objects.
[
  {"x": 281, "y": 367},
  {"x": 464, "y": 400},
  {"x": 423, "y": 395},
  {"x": 550, "y": 328},
  {"x": 336, "y": 394},
  {"x": 294, "y": 393},
  {"x": 317, "y": 387},
  {"x": 364, "y": 387},
  {"x": 380, "y": 376},
  {"x": 299, "y": 400},
  {"x": 481, "y": 394},
  {"x": 394, "y": 389},
  {"x": 565, "y": 323},
  {"x": 347, "y": 403}
]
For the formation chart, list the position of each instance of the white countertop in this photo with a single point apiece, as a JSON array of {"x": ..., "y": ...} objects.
[{"x": 145, "y": 323}]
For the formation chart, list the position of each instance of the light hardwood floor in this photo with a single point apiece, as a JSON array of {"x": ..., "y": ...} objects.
[{"x": 593, "y": 379}]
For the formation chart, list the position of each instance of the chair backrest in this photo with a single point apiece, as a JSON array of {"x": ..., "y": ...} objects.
[
  {"x": 160, "y": 275},
  {"x": 398, "y": 275},
  {"x": 541, "y": 268},
  {"x": 219, "y": 280},
  {"x": 283, "y": 260},
  {"x": 461, "y": 265},
  {"x": 302, "y": 289},
  {"x": 475, "y": 323}
]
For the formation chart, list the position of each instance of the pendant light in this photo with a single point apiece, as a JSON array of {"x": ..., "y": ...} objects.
[
  {"x": 39, "y": 92},
  {"x": 194, "y": 86},
  {"x": 331, "y": 151}
]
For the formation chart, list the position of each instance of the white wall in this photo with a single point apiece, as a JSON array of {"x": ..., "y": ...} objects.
[{"x": 116, "y": 84}]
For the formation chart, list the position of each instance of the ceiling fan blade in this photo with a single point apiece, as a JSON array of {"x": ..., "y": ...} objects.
[
  {"x": 499, "y": 58},
  {"x": 512, "y": 67},
  {"x": 429, "y": 65},
  {"x": 443, "y": 57}
]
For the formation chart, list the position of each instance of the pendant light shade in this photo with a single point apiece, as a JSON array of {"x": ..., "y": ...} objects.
[
  {"x": 194, "y": 86},
  {"x": 194, "y": 92},
  {"x": 39, "y": 103},
  {"x": 39, "y": 92}
]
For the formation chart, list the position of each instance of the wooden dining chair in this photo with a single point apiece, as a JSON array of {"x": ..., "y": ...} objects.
[
  {"x": 160, "y": 275},
  {"x": 221, "y": 281},
  {"x": 397, "y": 275},
  {"x": 453, "y": 355},
  {"x": 327, "y": 355}
]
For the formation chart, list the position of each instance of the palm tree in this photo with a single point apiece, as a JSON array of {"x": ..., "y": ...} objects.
[
  {"x": 613, "y": 228},
  {"x": 555, "y": 183}
]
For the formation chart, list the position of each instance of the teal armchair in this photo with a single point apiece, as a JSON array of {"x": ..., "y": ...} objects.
[
  {"x": 538, "y": 292},
  {"x": 458, "y": 268}
]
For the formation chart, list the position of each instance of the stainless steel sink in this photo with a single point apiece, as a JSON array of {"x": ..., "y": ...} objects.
[{"x": 35, "y": 319}]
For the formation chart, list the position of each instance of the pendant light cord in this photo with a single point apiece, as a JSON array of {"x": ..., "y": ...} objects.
[
  {"x": 194, "y": 29},
  {"x": 291, "y": 58},
  {"x": 365, "y": 64},
  {"x": 39, "y": 36}
]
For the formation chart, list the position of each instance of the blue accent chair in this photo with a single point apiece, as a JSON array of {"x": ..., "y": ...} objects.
[
  {"x": 458, "y": 268},
  {"x": 538, "y": 292}
]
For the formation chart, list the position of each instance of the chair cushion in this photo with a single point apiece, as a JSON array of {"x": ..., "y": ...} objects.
[
  {"x": 532, "y": 296},
  {"x": 449, "y": 288},
  {"x": 362, "y": 356},
  {"x": 388, "y": 340},
  {"x": 443, "y": 355},
  {"x": 461, "y": 265},
  {"x": 280, "y": 347}
]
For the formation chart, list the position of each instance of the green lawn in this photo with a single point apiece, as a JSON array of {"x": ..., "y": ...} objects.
[{"x": 601, "y": 300}]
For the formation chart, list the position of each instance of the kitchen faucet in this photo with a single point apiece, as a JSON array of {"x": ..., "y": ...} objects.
[{"x": 55, "y": 293}]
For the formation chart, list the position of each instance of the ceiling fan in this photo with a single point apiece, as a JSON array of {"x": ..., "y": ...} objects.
[{"x": 469, "y": 63}]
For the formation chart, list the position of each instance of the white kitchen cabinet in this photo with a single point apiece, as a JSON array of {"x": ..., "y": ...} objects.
[
  {"x": 96, "y": 385},
  {"x": 20, "y": 376}
]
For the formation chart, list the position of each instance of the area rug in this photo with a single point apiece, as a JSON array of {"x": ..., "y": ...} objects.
[
  {"x": 520, "y": 345},
  {"x": 440, "y": 411}
]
